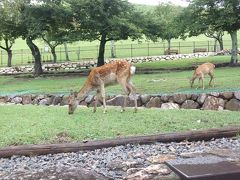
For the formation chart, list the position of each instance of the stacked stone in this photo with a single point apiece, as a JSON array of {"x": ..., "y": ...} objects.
[
  {"x": 91, "y": 63},
  {"x": 211, "y": 101}
]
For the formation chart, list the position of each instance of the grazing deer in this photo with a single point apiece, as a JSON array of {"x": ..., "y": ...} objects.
[
  {"x": 206, "y": 68},
  {"x": 116, "y": 72}
]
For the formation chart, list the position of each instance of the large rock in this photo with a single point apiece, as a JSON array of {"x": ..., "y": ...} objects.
[
  {"x": 159, "y": 159},
  {"x": 179, "y": 98},
  {"x": 3, "y": 99},
  {"x": 201, "y": 98},
  {"x": 89, "y": 99},
  {"x": 154, "y": 102},
  {"x": 233, "y": 105},
  {"x": 154, "y": 171},
  {"x": 165, "y": 98},
  {"x": 170, "y": 106},
  {"x": 131, "y": 102},
  {"x": 37, "y": 99},
  {"x": 145, "y": 98},
  {"x": 27, "y": 99},
  {"x": 190, "y": 104},
  {"x": 46, "y": 101},
  {"x": 237, "y": 95},
  {"x": 194, "y": 97},
  {"x": 116, "y": 101},
  {"x": 64, "y": 101},
  {"x": 17, "y": 100},
  {"x": 216, "y": 94},
  {"x": 227, "y": 95},
  {"x": 57, "y": 100},
  {"x": 213, "y": 103}
]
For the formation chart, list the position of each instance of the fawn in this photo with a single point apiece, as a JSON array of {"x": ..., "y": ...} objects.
[
  {"x": 116, "y": 72},
  {"x": 203, "y": 69}
]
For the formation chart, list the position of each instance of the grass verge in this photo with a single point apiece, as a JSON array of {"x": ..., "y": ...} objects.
[
  {"x": 166, "y": 82},
  {"x": 40, "y": 124}
]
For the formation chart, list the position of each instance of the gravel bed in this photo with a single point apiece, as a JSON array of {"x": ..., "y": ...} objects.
[{"x": 113, "y": 162}]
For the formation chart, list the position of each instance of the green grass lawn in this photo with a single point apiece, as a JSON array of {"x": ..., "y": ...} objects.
[
  {"x": 40, "y": 124},
  {"x": 183, "y": 63},
  {"x": 165, "y": 82}
]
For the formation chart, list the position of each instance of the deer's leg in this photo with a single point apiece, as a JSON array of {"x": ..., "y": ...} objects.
[
  {"x": 133, "y": 92},
  {"x": 96, "y": 98},
  {"x": 202, "y": 79},
  {"x": 192, "y": 81},
  {"x": 199, "y": 79},
  {"x": 103, "y": 97},
  {"x": 123, "y": 83},
  {"x": 211, "y": 82}
]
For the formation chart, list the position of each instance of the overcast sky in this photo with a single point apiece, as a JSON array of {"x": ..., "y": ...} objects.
[{"x": 156, "y": 2}]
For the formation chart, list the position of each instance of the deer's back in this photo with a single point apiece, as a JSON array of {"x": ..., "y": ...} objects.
[
  {"x": 109, "y": 73},
  {"x": 204, "y": 68}
]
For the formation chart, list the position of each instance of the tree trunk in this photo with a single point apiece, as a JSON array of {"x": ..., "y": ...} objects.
[
  {"x": 102, "y": 50},
  {"x": 54, "y": 54},
  {"x": 37, "y": 57},
  {"x": 169, "y": 46},
  {"x": 215, "y": 45},
  {"x": 9, "y": 52},
  {"x": 113, "y": 55},
  {"x": 234, "y": 57},
  {"x": 220, "y": 41},
  {"x": 66, "y": 51}
]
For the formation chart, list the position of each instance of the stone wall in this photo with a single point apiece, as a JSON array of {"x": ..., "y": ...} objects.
[
  {"x": 72, "y": 66},
  {"x": 211, "y": 101}
]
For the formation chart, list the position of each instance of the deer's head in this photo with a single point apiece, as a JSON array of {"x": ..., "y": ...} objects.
[{"x": 72, "y": 102}]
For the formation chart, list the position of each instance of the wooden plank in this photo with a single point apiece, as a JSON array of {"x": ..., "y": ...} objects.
[
  {"x": 42, "y": 149},
  {"x": 203, "y": 168}
]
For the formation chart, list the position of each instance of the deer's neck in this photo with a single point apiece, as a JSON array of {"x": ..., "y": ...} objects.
[{"x": 84, "y": 91}]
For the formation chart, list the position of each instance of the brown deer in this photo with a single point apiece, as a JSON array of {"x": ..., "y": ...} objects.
[
  {"x": 203, "y": 69},
  {"x": 116, "y": 72}
]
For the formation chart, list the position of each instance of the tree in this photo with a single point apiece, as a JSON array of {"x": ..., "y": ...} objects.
[
  {"x": 221, "y": 15},
  {"x": 59, "y": 31},
  {"x": 105, "y": 20},
  {"x": 166, "y": 14},
  {"x": 37, "y": 19},
  {"x": 9, "y": 26},
  {"x": 217, "y": 35},
  {"x": 193, "y": 24}
]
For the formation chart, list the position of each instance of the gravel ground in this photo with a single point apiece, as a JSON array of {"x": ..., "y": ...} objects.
[{"x": 113, "y": 163}]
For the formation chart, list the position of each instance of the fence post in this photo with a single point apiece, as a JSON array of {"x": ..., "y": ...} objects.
[
  {"x": 131, "y": 50},
  {"x": 97, "y": 51},
  {"x": 193, "y": 45},
  {"x": 1, "y": 58},
  {"x": 164, "y": 48},
  {"x": 148, "y": 48},
  {"x": 179, "y": 46},
  {"x": 208, "y": 46},
  {"x": 60, "y": 54},
  {"x": 22, "y": 56}
]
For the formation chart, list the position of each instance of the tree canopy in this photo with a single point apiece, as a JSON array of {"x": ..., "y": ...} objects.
[
  {"x": 215, "y": 15},
  {"x": 10, "y": 28},
  {"x": 105, "y": 20}
]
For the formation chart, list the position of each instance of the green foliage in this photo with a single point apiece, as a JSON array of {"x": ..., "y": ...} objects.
[
  {"x": 40, "y": 124},
  {"x": 105, "y": 20},
  {"x": 112, "y": 17},
  {"x": 166, "y": 14},
  {"x": 216, "y": 15}
]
